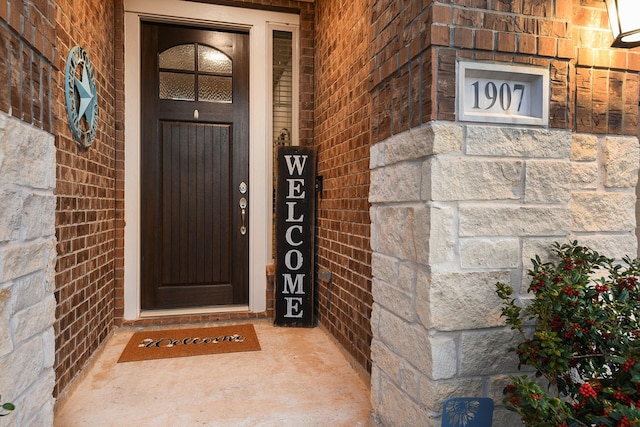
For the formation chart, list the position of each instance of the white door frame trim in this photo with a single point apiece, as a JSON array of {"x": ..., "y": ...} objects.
[{"x": 259, "y": 24}]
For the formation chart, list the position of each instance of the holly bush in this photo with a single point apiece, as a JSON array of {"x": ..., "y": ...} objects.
[{"x": 581, "y": 333}]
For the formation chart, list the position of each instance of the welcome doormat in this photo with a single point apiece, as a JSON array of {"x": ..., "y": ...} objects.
[{"x": 164, "y": 344}]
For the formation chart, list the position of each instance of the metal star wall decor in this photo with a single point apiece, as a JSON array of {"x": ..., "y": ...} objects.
[{"x": 81, "y": 97}]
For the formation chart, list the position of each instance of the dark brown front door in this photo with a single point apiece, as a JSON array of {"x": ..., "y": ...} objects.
[{"x": 194, "y": 167}]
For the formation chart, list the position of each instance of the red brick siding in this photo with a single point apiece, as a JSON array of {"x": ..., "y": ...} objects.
[
  {"x": 85, "y": 190},
  {"x": 342, "y": 137},
  {"x": 594, "y": 88},
  {"x": 27, "y": 37},
  {"x": 606, "y": 79}
]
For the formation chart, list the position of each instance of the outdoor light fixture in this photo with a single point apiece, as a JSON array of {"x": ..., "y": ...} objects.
[{"x": 624, "y": 16}]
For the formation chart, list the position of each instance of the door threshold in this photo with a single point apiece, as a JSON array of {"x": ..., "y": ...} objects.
[{"x": 194, "y": 311}]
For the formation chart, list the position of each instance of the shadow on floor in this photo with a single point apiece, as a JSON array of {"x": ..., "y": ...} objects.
[{"x": 299, "y": 378}]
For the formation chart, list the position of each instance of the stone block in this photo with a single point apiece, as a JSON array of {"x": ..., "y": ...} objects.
[
  {"x": 374, "y": 395},
  {"x": 409, "y": 341},
  {"x": 30, "y": 290},
  {"x": 6, "y": 309},
  {"x": 541, "y": 247},
  {"x": 385, "y": 360},
  {"x": 427, "y": 182},
  {"x": 397, "y": 409},
  {"x": 621, "y": 161},
  {"x": 443, "y": 235},
  {"x": 447, "y": 137},
  {"x": 406, "y": 278},
  {"x": 489, "y": 253},
  {"x": 405, "y": 146},
  {"x": 376, "y": 155},
  {"x": 422, "y": 234},
  {"x": 584, "y": 176},
  {"x": 584, "y": 147},
  {"x": 375, "y": 225},
  {"x": 605, "y": 212},
  {"x": 434, "y": 393},
  {"x": 397, "y": 183},
  {"x": 459, "y": 301},
  {"x": 409, "y": 381},
  {"x": 460, "y": 178},
  {"x": 49, "y": 347},
  {"x": 423, "y": 297},
  {"x": 10, "y": 215},
  {"x": 384, "y": 267},
  {"x": 615, "y": 246},
  {"x": 392, "y": 299},
  {"x": 37, "y": 409},
  {"x": 486, "y": 352},
  {"x": 494, "y": 220},
  {"x": 25, "y": 366},
  {"x": 518, "y": 142},
  {"x": 401, "y": 276},
  {"x": 50, "y": 270},
  {"x": 25, "y": 258},
  {"x": 35, "y": 144},
  {"x": 375, "y": 319},
  {"x": 34, "y": 320},
  {"x": 445, "y": 357},
  {"x": 429, "y": 139},
  {"x": 37, "y": 220},
  {"x": 401, "y": 232},
  {"x": 548, "y": 181},
  {"x": 506, "y": 418}
]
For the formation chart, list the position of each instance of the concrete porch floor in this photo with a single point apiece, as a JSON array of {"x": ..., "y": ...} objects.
[{"x": 299, "y": 378}]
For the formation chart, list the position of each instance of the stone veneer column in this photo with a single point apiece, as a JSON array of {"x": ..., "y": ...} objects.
[
  {"x": 27, "y": 263},
  {"x": 457, "y": 208}
]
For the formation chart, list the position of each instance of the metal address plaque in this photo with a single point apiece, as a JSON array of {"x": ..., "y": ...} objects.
[{"x": 501, "y": 93}]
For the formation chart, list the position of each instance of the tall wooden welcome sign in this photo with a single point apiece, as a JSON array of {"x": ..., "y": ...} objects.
[{"x": 295, "y": 221}]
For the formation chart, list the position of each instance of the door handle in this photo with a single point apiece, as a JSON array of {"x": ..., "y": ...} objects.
[{"x": 243, "y": 215}]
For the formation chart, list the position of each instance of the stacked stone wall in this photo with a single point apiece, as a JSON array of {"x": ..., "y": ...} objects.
[
  {"x": 27, "y": 208},
  {"x": 475, "y": 205},
  {"x": 490, "y": 197},
  {"x": 27, "y": 260}
]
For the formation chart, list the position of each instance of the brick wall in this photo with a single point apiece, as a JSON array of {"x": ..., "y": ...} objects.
[
  {"x": 607, "y": 80},
  {"x": 342, "y": 137},
  {"x": 594, "y": 88},
  {"x": 27, "y": 39},
  {"x": 85, "y": 190}
]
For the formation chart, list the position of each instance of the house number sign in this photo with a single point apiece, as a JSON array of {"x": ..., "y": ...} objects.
[
  {"x": 295, "y": 221},
  {"x": 502, "y": 93}
]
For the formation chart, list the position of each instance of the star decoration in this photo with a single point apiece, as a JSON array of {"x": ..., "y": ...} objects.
[
  {"x": 87, "y": 97},
  {"x": 81, "y": 97}
]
